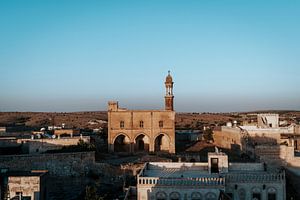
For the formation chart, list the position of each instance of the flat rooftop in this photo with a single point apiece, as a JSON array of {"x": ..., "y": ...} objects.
[{"x": 195, "y": 170}]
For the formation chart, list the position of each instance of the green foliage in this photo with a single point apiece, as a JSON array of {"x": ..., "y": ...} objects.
[{"x": 208, "y": 135}]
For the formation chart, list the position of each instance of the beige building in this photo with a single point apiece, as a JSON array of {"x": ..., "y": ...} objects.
[
  {"x": 27, "y": 185},
  {"x": 143, "y": 130},
  {"x": 210, "y": 180}
]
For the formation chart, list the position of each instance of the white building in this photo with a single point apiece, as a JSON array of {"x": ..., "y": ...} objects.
[{"x": 205, "y": 181}]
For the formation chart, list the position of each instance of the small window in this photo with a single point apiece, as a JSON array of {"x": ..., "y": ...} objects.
[
  {"x": 161, "y": 124},
  {"x": 19, "y": 194},
  {"x": 141, "y": 124},
  {"x": 121, "y": 124}
]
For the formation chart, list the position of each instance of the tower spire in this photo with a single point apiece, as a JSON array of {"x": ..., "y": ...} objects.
[{"x": 169, "y": 92}]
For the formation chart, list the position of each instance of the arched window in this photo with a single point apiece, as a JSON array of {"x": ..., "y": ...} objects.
[
  {"x": 211, "y": 196},
  {"x": 174, "y": 196},
  {"x": 242, "y": 194},
  {"x": 141, "y": 124},
  {"x": 256, "y": 194},
  {"x": 161, "y": 124},
  {"x": 196, "y": 196},
  {"x": 161, "y": 196},
  {"x": 271, "y": 194},
  {"x": 121, "y": 124}
]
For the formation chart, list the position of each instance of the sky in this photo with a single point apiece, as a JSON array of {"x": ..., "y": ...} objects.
[{"x": 224, "y": 55}]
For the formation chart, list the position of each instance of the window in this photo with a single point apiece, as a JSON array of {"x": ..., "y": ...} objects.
[
  {"x": 271, "y": 193},
  {"x": 19, "y": 194},
  {"x": 141, "y": 124},
  {"x": 161, "y": 124},
  {"x": 271, "y": 196},
  {"x": 121, "y": 124},
  {"x": 256, "y": 196}
]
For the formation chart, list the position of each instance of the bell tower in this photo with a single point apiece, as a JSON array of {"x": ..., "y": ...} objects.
[{"x": 169, "y": 105}]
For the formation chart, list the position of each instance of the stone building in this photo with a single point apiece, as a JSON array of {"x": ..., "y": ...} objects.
[
  {"x": 208, "y": 181},
  {"x": 25, "y": 185},
  {"x": 267, "y": 141},
  {"x": 143, "y": 130}
]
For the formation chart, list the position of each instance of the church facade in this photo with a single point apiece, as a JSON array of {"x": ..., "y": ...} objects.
[{"x": 143, "y": 130}]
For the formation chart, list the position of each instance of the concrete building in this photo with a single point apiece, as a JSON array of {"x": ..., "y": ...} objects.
[
  {"x": 266, "y": 142},
  {"x": 268, "y": 120},
  {"x": 143, "y": 130},
  {"x": 208, "y": 181},
  {"x": 25, "y": 185}
]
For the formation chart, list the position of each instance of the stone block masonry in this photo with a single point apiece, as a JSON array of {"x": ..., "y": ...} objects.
[{"x": 58, "y": 164}]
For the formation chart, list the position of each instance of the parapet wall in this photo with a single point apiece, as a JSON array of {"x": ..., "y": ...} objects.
[
  {"x": 246, "y": 166},
  {"x": 59, "y": 164}
]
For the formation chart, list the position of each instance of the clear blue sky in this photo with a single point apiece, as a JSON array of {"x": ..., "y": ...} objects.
[{"x": 69, "y": 55}]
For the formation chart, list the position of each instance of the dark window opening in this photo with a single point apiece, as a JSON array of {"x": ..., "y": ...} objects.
[
  {"x": 271, "y": 196},
  {"x": 141, "y": 124},
  {"x": 121, "y": 124},
  {"x": 256, "y": 196},
  {"x": 161, "y": 124},
  {"x": 214, "y": 165}
]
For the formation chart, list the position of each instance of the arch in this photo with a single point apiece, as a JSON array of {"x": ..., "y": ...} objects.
[
  {"x": 161, "y": 195},
  {"x": 162, "y": 142},
  {"x": 114, "y": 138},
  {"x": 210, "y": 196},
  {"x": 256, "y": 193},
  {"x": 242, "y": 194},
  {"x": 174, "y": 196},
  {"x": 271, "y": 193},
  {"x": 121, "y": 143},
  {"x": 196, "y": 196},
  {"x": 141, "y": 142}
]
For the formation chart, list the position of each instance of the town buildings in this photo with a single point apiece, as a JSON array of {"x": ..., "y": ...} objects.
[
  {"x": 143, "y": 130},
  {"x": 266, "y": 140}
]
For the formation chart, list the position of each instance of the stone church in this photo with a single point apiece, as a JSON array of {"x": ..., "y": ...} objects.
[{"x": 143, "y": 130}]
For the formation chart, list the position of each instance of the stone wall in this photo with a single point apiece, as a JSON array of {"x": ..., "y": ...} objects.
[
  {"x": 59, "y": 164},
  {"x": 33, "y": 146},
  {"x": 228, "y": 138}
]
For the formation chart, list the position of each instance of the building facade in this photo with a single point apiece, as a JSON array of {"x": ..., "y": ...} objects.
[
  {"x": 25, "y": 185},
  {"x": 143, "y": 130},
  {"x": 208, "y": 181}
]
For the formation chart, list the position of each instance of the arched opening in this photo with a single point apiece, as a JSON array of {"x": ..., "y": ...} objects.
[
  {"x": 161, "y": 196},
  {"x": 192, "y": 160},
  {"x": 196, "y": 196},
  {"x": 122, "y": 144},
  {"x": 271, "y": 194},
  {"x": 211, "y": 196},
  {"x": 141, "y": 143},
  {"x": 174, "y": 196},
  {"x": 161, "y": 143}
]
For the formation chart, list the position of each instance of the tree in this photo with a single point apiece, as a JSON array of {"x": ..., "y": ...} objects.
[{"x": 208, "y": 135}]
